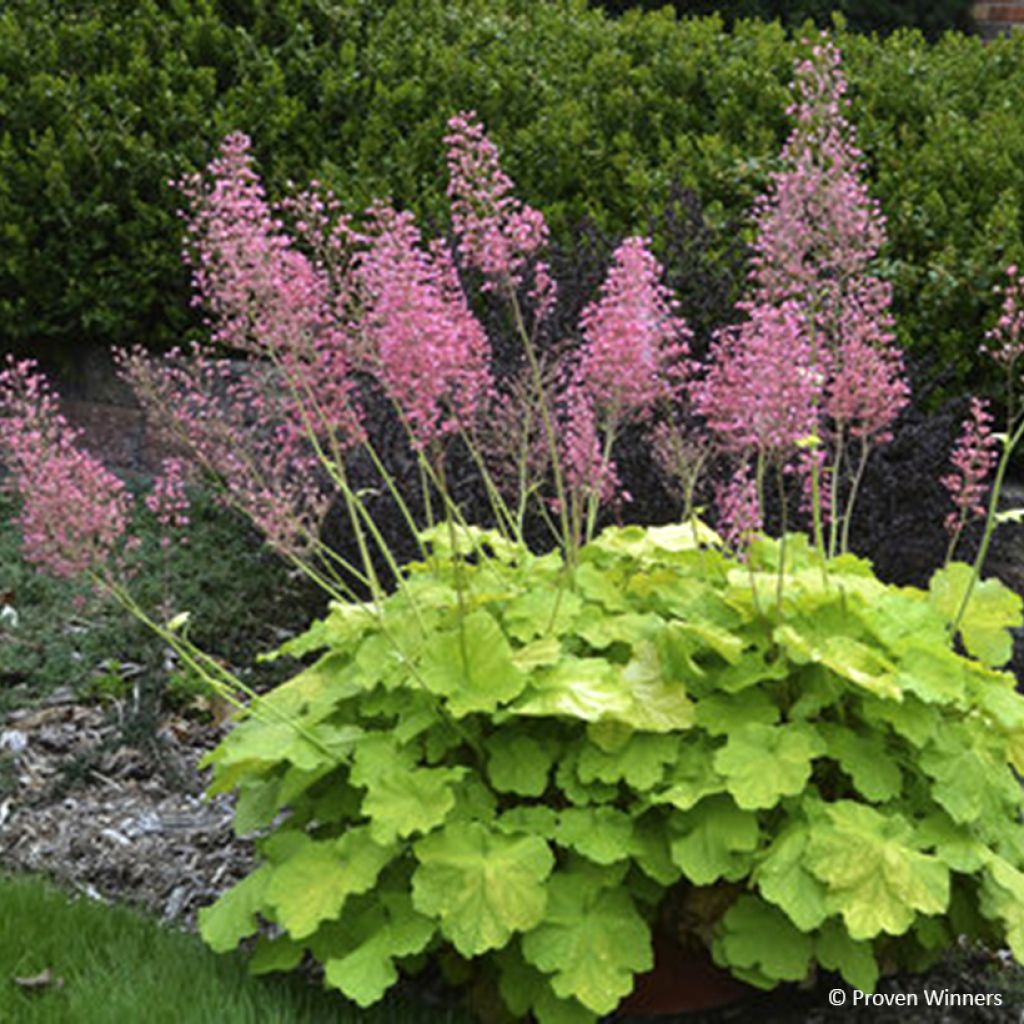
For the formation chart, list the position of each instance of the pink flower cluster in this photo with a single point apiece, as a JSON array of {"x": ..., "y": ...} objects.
[
  {"x": 635, "y": 347},
  {"x": 819, "y": 234},
  {"x": 268, "y": 299},
  {"x": 168, "y": 499},
  {"x": 634, "y": 354},
  {"x": 498, "y": 234},
  {"x": 587, "y": 470},
  {"x": 1007, "y": 337},
  {"x": 74, "y": 511},
  {"x": 816, "y": 355},
  {"x": 739, "y": 508},
  {"x": 256, "y": 423},
  {"x": 238, "y": 424},
  {"x": 973, "y": 459},
  {"x": 419, "y": 337},
  {"x": 315, "y": 307},
  {"x": 763, "y": 387}
]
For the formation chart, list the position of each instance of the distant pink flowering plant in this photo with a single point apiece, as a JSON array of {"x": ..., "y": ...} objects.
[{"x": 75, "y": 512}]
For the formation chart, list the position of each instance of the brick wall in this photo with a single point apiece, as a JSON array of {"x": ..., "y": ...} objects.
[{"x": 996, "y": 17}]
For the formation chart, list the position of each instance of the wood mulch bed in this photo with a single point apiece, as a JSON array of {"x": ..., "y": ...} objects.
[{"x": 116, "y": 821}]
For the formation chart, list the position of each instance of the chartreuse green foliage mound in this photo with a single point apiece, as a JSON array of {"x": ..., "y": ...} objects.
[{"x": 529, "y": 767}]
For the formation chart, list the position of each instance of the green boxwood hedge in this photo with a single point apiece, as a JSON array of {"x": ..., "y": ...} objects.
[
  {"x": 932, "y": 17},
  {"x": 102, "y": 101}
]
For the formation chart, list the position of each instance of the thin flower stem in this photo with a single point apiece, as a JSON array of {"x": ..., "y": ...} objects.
[
  {"x": 458, "y": 572},
  {"x": 549, "y": 429},
  {"x": 333, "y": 464},
  {"x": 594, "y": 497},
  {"x": 428, "y": 503},
  {"x": 505, "y": 521},
  {"x": 780, "y": 582},
  {"x": 334, "y": 588},
  {"x": 223, "y": 682},
  {"x": 865, "y": 451},
  {"x": 819, "y": 534},
  {"x": 395, "y": 493},
  {"x": 955, "y": 538},
  {"x": 522, "y": 469},
  {"x": 834, "y": 513},
  {"x": 759, "y": 482},
  {"x": 990, "y": 526},
  {"x": 452, "y": 510}
]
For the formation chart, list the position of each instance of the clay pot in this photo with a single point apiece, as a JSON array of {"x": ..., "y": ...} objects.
[{"x": 683, "y": 980}]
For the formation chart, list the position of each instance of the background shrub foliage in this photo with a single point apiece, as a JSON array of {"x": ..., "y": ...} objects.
[
  {"x": 102, "y": 103},
  {"x": 932, "y": 17}
]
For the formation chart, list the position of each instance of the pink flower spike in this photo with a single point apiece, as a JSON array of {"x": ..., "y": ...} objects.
[
  {"x": 265, "y": 297},
  {"x": 587, "y": 472},
  {"x": 868, "y": 390},
  {"x": 819, "y": 237},
  {"x": 763, "y": 387},
  {"x": 74, "y": 512},
  {"x": 420, "y": 338},
  {"x": 739, "y": 510},
  {"x": 973, "y": 459},
  {"x": 497, "y": 233},
  {"x": 635, "y": 348},
  {"x": 1007, "y": 337}
]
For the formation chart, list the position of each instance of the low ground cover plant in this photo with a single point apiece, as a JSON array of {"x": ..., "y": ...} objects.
[
  {"x": 57, "y": 633},
  {"x": 521, "y": 759}
]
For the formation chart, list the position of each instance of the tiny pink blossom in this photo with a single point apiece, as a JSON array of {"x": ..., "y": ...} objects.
[{"x": 266, "y": 298}]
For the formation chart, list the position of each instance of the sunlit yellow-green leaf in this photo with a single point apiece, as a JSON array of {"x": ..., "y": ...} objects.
[{"x": 481, "y": 885}]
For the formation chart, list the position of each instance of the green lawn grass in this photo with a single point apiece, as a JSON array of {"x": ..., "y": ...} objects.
[{"x": 120, "y": 967}]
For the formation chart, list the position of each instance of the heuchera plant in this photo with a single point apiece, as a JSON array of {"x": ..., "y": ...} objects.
[{"x": 525, "y": 763}]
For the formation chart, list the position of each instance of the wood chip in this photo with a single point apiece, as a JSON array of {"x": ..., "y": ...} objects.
[{"x": 44, "y": 979}]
